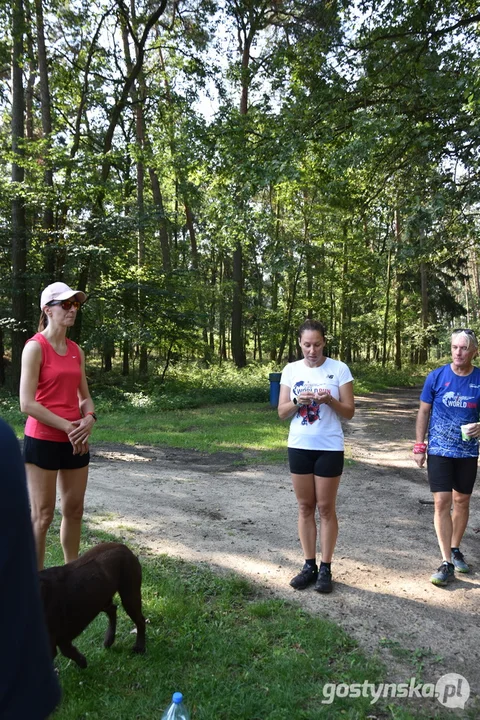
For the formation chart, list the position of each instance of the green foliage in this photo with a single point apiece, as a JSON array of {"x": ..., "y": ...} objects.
[
  {"x": 369, "y": 377},
  {"x": 349, "y": 180},
  {"x": 185, "y": 382},
  {"x": 221, "y": 383},
  {"x": 10, "y": 411}
]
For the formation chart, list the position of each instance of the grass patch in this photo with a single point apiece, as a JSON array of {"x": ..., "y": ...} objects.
[
  {"x": 415, "y": 657},
  {"x": 234, "y": 653},
  {"x": 244, "y": 428},
  {"x": 250, "y": 428}
]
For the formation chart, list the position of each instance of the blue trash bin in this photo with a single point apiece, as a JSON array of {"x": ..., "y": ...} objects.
[{"x": 274, "y": 388}]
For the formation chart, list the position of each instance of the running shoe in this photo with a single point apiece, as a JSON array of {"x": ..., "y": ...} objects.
[
  {"x": 444, "y": 575},
  {"x": 324, "y": 582},
  {"x": 306, "y": 577},
  {"x": 459, "y": 561}
]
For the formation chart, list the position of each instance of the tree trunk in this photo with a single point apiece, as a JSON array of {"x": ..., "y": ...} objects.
[
  {"x": 309, "y": 269},
  {"x": 344, "y": 343},
  {"x": 274, "y": 304},
  {"x": 398, "y": 299},
  {"x": 222, "y": 331},
  {"x": 125, "y": 357},
  {"x": 143, "y": 364},
  {"x": 238, "y": 342},
  {"x": 108, "y": 349},
  {"x": 162, "y": 220},
  {"x": 32, "y": 76},
  {"x": 398, "y": 326},
  {"x": 258, "y": 322},
  {"x": 81, "y": 284},
  {"x": 238, "y": 346},
  {"x": 138, "y": 101},
  {"x": 423, "y": 352},
  {"x": 192, "y": 234},
  {"x": 213, "y": 303},
  {"x": 19, "y": 229},
  {"x": 387, "y": 308},
  {"x": 45, "y": 102},
  {"x": 152, "y": 173},
  {"x": 287, "y": 324},
  {"x": 275, "y": 276}
]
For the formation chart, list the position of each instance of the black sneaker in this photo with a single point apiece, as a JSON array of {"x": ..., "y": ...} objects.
[
  {"x": 324, "y": 582},
  {"x": 306, "y": 577}
]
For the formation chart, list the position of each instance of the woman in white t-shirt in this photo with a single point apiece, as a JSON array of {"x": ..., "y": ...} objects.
[{"x": 317, "y": 391}]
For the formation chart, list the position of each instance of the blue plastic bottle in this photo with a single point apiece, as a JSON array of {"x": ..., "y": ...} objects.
[{"x": 177, "y": 710}]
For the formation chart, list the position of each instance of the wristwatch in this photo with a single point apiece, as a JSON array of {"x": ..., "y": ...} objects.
[
  {"x": 295, "y": 401},
  {"x": 90, "y": 412}
]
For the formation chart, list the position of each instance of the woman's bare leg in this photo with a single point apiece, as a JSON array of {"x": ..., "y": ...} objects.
[
  {"x": 304, "y": 487},
  {"x": 72, "y": 484},
  {"x": 42, "y": 494},
  {"x": 326, "y": 489}
]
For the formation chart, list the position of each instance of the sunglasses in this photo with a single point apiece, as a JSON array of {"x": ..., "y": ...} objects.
[
  {"x": 467, "y": 331},
  {"x": 66, "y": 304}
]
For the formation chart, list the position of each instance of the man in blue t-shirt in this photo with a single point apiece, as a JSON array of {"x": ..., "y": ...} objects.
[
  {"x": 29, "y": 688},
  {"x": 450, "y": 409}
]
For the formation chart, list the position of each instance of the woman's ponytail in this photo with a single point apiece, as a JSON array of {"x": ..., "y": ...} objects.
[{"x": 43, "y": 322}]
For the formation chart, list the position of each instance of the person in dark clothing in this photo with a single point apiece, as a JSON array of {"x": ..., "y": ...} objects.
[{"x": 29, "y": 688}]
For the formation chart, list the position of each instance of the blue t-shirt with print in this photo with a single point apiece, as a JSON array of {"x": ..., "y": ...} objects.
[{"x": 455, "y": 401}]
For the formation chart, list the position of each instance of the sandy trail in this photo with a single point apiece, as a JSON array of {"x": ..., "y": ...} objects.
[{"x": 207, "y": 509}]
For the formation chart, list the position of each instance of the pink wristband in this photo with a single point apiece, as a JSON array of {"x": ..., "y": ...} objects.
[{"x": 419, "y": 449}]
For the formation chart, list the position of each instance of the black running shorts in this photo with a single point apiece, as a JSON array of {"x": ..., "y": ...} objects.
[
  {"x": 446, "y": 474},
  {"x": 323, "y": 463},
  {"x": 51, "y": 455}
]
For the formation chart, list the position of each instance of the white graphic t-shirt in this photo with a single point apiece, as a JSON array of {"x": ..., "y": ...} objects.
[
  {"x": 455, "y": 401},
  {"x": 316, "y": 427}
]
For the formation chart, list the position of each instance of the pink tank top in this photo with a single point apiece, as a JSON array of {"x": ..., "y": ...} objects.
[{"x": 58, "y": 382}]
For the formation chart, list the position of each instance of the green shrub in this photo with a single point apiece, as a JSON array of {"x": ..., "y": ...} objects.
[
  {"x": 194, "y": 385},
  {"x": 373, "y": 376}
]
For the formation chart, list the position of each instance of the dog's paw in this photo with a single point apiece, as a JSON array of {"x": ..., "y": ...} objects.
[
  {"x": 69, "y": 651},
  {"x": 139, "y": 649}
]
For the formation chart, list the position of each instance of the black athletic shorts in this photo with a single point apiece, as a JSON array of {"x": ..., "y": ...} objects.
[
  {"x": 51, "y": 455},
  {"x": 446, "y": 474},
  {"x": 323, "y": 463}
]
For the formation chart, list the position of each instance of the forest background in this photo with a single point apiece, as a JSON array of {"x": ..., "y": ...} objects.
[{"x": 211, "y": 173}]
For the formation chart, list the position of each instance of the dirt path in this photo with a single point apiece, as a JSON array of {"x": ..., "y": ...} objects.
[{"x": 207, "y": 509}]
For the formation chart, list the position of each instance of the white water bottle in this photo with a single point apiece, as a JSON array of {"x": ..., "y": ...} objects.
[{"x": 177, "y": 710}]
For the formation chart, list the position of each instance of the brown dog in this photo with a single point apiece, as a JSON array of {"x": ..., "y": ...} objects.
[{"x": 75, "y": 593}]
